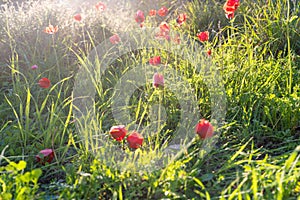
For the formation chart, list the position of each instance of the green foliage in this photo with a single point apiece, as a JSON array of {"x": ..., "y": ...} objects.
[
  {"x": 16, "y": 183},
  {"x": 256, "y": 54}
]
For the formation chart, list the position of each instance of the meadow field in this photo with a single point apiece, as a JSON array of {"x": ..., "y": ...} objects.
[{"x": 150, "y": 99}]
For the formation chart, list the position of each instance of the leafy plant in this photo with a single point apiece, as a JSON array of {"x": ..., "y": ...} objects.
[{"x": 16, "y": 183}]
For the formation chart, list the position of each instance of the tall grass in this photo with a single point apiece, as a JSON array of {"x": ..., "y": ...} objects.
[{"x": 255, "y": 58}]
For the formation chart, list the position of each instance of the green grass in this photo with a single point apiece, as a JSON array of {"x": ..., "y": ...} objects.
[{"x": 248, "y": 88}]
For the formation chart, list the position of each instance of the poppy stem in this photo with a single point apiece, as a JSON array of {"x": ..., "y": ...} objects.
[
  {"x": 289, "y": 48},
  {"x": 158, "y": 118},
  {"x": 56, "y": 57}
]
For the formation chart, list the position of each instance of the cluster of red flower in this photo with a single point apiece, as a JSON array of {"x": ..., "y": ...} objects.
[{"x": 135, "y": 140}]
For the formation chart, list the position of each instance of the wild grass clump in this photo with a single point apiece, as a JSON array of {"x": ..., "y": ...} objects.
[{"x": 257, "y": 54}]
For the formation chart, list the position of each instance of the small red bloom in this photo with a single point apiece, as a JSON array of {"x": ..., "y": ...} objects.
[
  {"x": 204, "y": 129},
  {"x": 100, "y": 6},
  {"x": 139, "y": 16},
  {"x": 154, "y": 60},
  {"x": 158, "y": 80},
  {"x": 181, "y": 18},
  {"x": 44, "y": 83},
  {"x": 164, "y": 28},
  {"x": 44, "y": 156},
  {"x": 203, "y": 36},
  {"x": 163, "y": 11},
  {"x": 208, "y": 52},
  {"x": 118, "y": 132},
  {"x": 115, "y": 39},
  {"x": 51, "y": 29},
  {"x": 135, "y": 140},
  {"x": 78, "y": 17},
  {"x": 152, "y": 12}
]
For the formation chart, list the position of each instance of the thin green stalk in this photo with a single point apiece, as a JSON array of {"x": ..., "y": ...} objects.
[
  {"x": 158, "y": 119},
  {"x": 289, "y": 48},
  {"x": 56, "y": 57}
]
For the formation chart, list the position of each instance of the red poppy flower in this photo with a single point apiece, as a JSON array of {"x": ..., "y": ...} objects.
[
  {"x": 204, "y": 129},
  {"x": 100, "y": 6},
  {"x": 164, "y": 28},
  {"x": 44, "y": 156},
  {"x": 203, "y": 36},
  {"x": 154, "y": 60},
  {"x": 118, "y": 132},
  {"x": 152, "y": 12},
  {"x": 44, "y": 83},
  {"x": 229, "y": 7},
  {"x": 135, "y": 140},
  {"x": 208, "y": 52},
  {"x": 163, "y": 11},
  {"x": 139, "y": 16},
  {"x": 51, "y": 29},
  {"x": 181, "y": 18},
  {"x": 115, "y": 39},
  {"x": 158, "y": 80},
  {"x": 78, "y": 17}
]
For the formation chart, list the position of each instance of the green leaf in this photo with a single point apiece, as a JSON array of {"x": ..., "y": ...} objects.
[
  {"x": 36, "y": 173},
  {"x": 240, "y": 150},
  {"x": 199, "y": 182},
  {"x": 290, "y": 161},
  {"x": 6, "y": 196},
  {"x": 120, "y": 192},
  {"x": 21, "y": 165},
  {"x": 293, "y": 18},
  {"x": 25, "y": 178}
]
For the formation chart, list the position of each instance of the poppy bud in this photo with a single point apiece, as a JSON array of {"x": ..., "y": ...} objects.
[
  {"x": 44, "y": 83},
  {"x": 204, "y": 129},
  {"x": 118, "y": 132},
  {"x": 139, "y": 16},
  {"x": 135, "y": 140}
]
